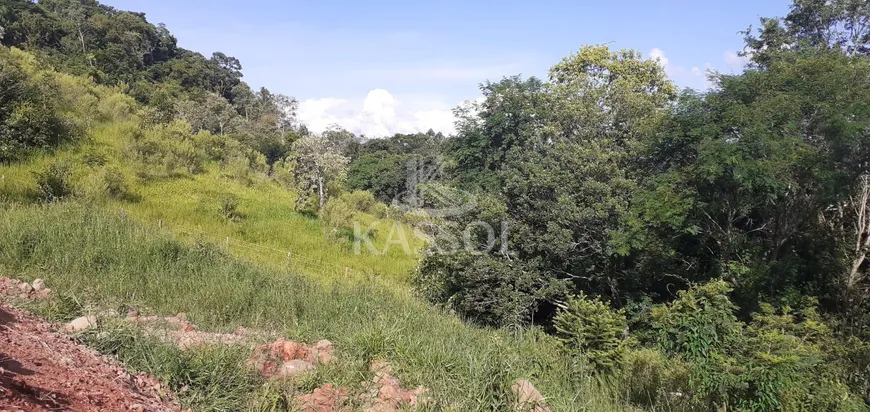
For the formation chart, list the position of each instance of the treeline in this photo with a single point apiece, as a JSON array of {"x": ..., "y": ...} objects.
[
  {"x": 725, "y": 231},
  {"x": 121, "y": 48}
]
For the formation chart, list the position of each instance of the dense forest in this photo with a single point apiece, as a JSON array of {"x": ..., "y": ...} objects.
[{"x": 710, "y": 247}]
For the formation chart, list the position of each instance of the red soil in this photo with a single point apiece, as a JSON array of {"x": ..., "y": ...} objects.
[{"x": 43, "y": 370}]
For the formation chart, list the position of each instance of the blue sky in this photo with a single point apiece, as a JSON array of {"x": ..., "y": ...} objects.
[{"x": 380, "y": 67}]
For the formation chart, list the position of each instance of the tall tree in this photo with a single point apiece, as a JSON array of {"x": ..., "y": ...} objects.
[{"x": 317, "y": 164}]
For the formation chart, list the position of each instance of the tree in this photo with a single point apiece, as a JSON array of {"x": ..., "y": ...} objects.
[
  {"x": 512, "y": 112},
  {"x": 567, "y": 186},
  {"x": 317, "y": 164},
  {"x": 842, "y": 25},
  {"x": 344, "y": 141},
  {"x": 381, "y": 173},
  {"x": 557, "y": 157},
  {"x": 212, "y": 113}
]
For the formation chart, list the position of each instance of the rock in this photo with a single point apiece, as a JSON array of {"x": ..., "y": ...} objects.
[
  {"x": 528, "y": 398},
  {"x": 25, "y": 287},
  {"x": 38, "y": 285},
  {"x": 81, "y": 324},
  {"x": 294, "y": 367},
  {"x": 323, "y": 352},
  {"x": 284, "y": 358}
]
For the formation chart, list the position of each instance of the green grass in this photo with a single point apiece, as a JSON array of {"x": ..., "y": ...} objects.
[
  {"x": 190, "y": 206},
  {"x": 103, "y": 258}
]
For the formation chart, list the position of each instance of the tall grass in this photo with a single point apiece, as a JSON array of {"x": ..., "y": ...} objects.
[
  {"x": 191, "y": 206},
  {"x": 104, "y": 257}
]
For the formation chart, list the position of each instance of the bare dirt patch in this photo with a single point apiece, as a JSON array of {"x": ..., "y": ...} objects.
[{"x": 43, "y": 370}]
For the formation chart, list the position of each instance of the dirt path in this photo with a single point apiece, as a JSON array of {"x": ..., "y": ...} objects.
[{"x": 42, "y": 370}]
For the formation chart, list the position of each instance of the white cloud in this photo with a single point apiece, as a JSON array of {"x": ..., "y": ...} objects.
[
  {"x": 734, "y": 60},
  {"x": 659, "y": 54},
  {"x": 380, "y": 114},
  {"x": 694, "y": 77}
]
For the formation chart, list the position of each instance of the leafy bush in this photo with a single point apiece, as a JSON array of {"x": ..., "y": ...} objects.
[
  {"x": 338, "y": 214},
  {"x": 54, "y": 182},
  {"x": 781, "y": 361},
  {"x": 589, "y": 328},
  {"x": 482, "y": 289},
  {"x": 167, "y": 150},
  {"x": 31, "y": 115},
  {"x": 229, "y": 207},
  {"x": 360, "y": 200},
  {"x": 700, "y": 321},
  {"x": 116, "y": 183}
]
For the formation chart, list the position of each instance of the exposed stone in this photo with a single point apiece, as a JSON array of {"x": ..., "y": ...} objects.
[
  {"x": 38, "y": 285},
  {"x": 528, "y": 399},
  {"x": 25, "y": 287},
  {"x": 387, "y": 394},
  {"x": 270, "y": 359},
  {"x": 294, "y": 367},
  {"x": 323, "y": 352},
  {"x": 81, "y": 324}
]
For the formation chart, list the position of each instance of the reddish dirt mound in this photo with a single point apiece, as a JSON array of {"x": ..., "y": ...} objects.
[
  {"x": 384, "y": 393},
  {"x": 41, "y": 370},
  {"x": 283, "y": 358}
]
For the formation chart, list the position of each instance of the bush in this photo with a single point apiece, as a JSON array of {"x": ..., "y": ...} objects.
[
  {"x": 360, "y": 200},
  {"x": 167, "y": 150},
  {"x": 54, "y": 182},
  {"x": 781, "y": 361},
  {"x": 229, "y": 207},
  {"x": 483, "y": 289},
  {"x": 701, "y": 320},
  {"x": 338, "y": 214},
  {"x": 31, "y": 115},
  {"x": 116, "y": 183},
  {"x": 588, "y": 328}
]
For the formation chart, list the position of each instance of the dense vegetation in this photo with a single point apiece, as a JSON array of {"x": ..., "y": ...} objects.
[{"x": 659, "y": 248}]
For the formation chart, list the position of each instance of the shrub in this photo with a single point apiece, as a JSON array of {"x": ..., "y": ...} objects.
[
  {"x": 116, "y": 106},
  {"x": 589, "y": 328},
  {"x": 167, "y": 150},
  {"x": 31, "y": 115},
  {"x": 360, "y": 200},
  {"x": 701, "y": 320},
  {"x": 116, "y": 183},
  {"x": 484, "y": 289},
  {"x": 781, "y": 361},
  {"x": 338, "y": 214},
  {"x": 54, "y": 182},
  {"x": 229, "y": 207}
]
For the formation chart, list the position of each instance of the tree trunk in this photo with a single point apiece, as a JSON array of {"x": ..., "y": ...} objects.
[
  {"x": 321, "y": 192},
  {"x": 862, "y": 234}
]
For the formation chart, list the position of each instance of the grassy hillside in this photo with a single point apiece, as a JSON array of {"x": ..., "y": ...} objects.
[
  {"x": 93, "y": 256},
  {"x": 153, "y": 234},
  {"x": 191, "y": 205}
]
